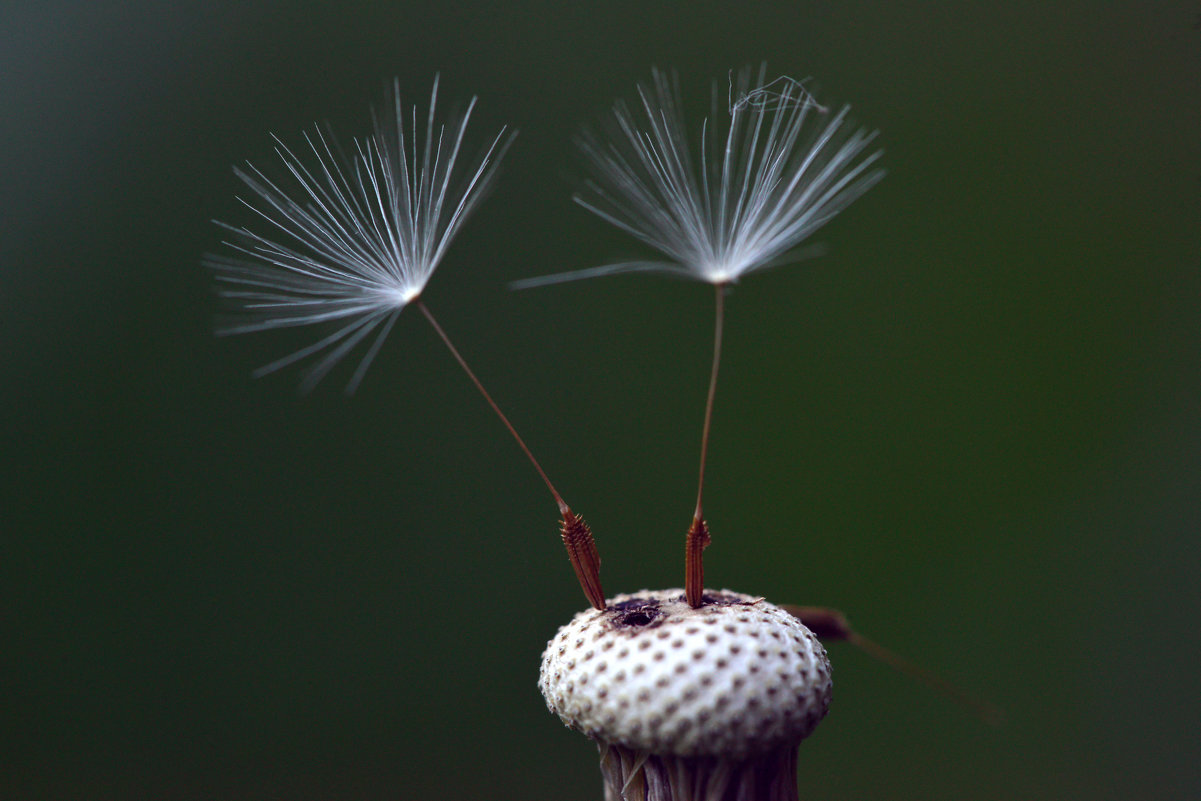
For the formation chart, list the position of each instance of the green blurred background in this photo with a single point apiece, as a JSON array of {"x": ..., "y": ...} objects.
[{"x": 972, "y": 425}]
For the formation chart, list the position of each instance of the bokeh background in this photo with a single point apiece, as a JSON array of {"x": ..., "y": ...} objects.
[{"x": 972, "y": 425}]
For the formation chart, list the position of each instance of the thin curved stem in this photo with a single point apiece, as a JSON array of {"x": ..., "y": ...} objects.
[{"x": 563, "y": 508}]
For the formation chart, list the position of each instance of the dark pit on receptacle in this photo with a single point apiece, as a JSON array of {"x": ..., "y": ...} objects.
[{"x": 635, "y": 614}]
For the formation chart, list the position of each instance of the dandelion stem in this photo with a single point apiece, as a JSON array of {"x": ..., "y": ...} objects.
[
  {"x": 577, "y": 538},
  {"x": 698, "y": 534}
]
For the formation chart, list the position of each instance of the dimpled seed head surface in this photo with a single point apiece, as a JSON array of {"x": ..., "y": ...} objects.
[{"x": 735, "y": 677}]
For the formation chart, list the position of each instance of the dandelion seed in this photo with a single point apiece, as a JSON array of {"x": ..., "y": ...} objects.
[
  {"x": 355, "y": 239},
  {"x": 730, "y": 209},
  {"x": 357, "y": 244}
]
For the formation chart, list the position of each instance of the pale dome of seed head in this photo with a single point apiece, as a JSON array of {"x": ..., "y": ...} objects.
[{"x": 737, "y": 676}]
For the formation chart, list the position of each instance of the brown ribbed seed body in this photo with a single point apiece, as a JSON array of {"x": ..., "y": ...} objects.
[{"x": 735, "y": 678}]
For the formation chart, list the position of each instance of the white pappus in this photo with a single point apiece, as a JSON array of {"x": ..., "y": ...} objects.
[
  {"x": 739, "y": 199},
  {"x": 354, "y": 240}
]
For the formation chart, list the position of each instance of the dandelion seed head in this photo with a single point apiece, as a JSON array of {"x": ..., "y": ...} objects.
[{"x": 349, "y": 238}]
